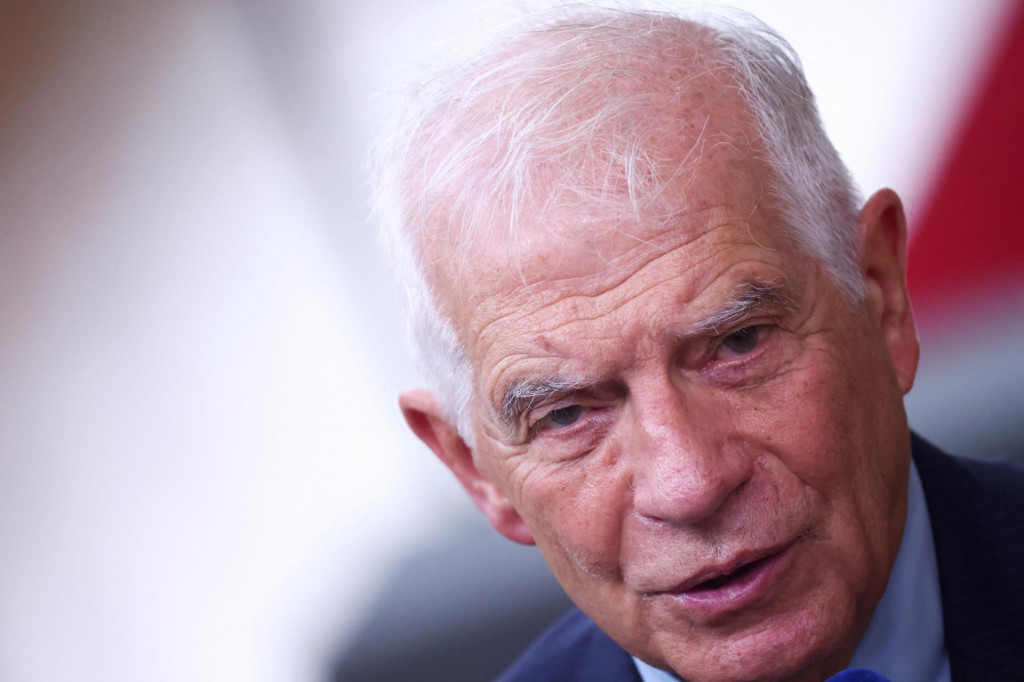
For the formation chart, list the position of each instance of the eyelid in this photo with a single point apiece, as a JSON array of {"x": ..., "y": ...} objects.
[
  {"x": 538, "y": 413},
  {"x": 748, "y": 323},
  {"x": 593, "y": 395},
  {"x": 722, "y": 354},
  {"x": 761, "y": 330},
  {"x": 744, "y": 369},
  {"x": 561, "y": 428},
  {"x": 593, "y": 402}
]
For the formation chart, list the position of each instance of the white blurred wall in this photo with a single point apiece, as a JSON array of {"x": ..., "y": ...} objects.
[
  {"x": 192, "y": 434},
  {"x": 202, "y": 472}
]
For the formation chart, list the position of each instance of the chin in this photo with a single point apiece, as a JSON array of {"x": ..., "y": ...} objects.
[{"x": 799, "y": 647}]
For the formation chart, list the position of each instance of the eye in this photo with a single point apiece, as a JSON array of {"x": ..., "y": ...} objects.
[
  {"x": 563, "y": 416},
  {"x": 744, "y": 340}
]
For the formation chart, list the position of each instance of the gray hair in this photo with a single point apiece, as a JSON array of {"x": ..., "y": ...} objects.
[{"x": 467, "y": 150}]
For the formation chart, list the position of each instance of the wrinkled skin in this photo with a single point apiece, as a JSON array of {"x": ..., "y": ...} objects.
[{"x": 673, "y": 451}]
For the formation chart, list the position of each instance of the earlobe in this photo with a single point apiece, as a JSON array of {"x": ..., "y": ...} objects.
[
  {"x": 424, "y": 416},
  {"x": 883, "y": 263}
]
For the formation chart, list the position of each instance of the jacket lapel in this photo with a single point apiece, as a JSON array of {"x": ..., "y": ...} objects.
[{"x": 977, "y": 514}]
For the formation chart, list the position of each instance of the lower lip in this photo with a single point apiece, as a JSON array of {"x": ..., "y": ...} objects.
[{"x": 738, "y": 593}]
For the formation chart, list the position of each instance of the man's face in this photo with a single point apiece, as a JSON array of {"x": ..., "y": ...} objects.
[{"x": 703, "y": 437}]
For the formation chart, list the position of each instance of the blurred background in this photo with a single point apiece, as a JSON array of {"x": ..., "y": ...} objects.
[{"x": 203, "y": 472}]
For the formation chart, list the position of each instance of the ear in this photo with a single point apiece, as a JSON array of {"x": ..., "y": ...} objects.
[
  {"x": 426, "y": 419},
  {"x": 883, "y": 264}
]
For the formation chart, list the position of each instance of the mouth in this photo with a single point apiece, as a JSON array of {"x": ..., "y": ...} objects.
[
  {"x": 730, "y": 586},
  {"x": 724, "y": 580}
]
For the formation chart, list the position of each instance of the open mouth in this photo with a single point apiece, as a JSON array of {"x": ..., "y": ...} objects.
[
  {"x": 741, "y": 573},
  {"x": 716, "y": 595}
]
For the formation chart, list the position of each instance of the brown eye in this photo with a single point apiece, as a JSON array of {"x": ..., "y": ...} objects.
[{"x": 744, "y": 340}]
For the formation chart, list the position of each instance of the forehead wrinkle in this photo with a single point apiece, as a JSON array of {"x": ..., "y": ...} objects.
[
  {"x": 608, "y": 287},
  {"x": 543, "y": 343},
  {"x": 516, "y": 347},
  {"x": 535, "y": 261},
  {"x": 747, "y": 297}
]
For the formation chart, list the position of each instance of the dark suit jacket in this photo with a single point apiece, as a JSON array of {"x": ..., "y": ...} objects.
[{"x": 977, "y": 515}]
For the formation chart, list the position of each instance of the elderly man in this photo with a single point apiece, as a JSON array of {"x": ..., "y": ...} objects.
[{"x": 669, "y": 346}]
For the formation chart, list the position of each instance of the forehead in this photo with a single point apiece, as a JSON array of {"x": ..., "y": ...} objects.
[
  {"x": 581, "y": 249},
  {"x": 567, "y": 144},
  {"x": 598, "y": 298},
  {"x": 710, "y": 165}
]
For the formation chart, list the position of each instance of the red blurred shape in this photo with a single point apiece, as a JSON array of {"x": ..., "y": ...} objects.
[{"x": 971, "y": 235}]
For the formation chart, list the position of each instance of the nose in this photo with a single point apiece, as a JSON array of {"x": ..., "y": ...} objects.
[{"x": 686, "y": 463}]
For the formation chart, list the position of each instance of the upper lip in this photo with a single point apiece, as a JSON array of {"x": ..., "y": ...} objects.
[{"x": 725, "y": 568}]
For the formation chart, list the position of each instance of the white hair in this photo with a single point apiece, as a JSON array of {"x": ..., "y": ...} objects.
[{"x": 475, "y": 148}]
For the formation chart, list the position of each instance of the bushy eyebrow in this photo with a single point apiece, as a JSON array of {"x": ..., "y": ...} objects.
[
  {"x": 747, "y": 298},
  {"x": 523, "y": 395}
]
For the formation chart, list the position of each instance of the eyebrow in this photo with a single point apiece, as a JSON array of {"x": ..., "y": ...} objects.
[
  {"x": 747, "y": 298},
  {"x": 523, "y": 395}
]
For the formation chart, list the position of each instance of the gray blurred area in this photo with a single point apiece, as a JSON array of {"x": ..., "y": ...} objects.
[{"x": 461, "y": 609}]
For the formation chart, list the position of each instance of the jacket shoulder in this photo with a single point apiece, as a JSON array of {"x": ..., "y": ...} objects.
[
  {"x": 573, "y": 648},
  {"x": 977, "y": 513}
]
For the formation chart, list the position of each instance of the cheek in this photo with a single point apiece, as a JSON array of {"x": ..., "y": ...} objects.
[
  {"x": 575, "y": 513},
  {"x": 831, "y": 428},
  {"x": 807, "y": 418}
]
